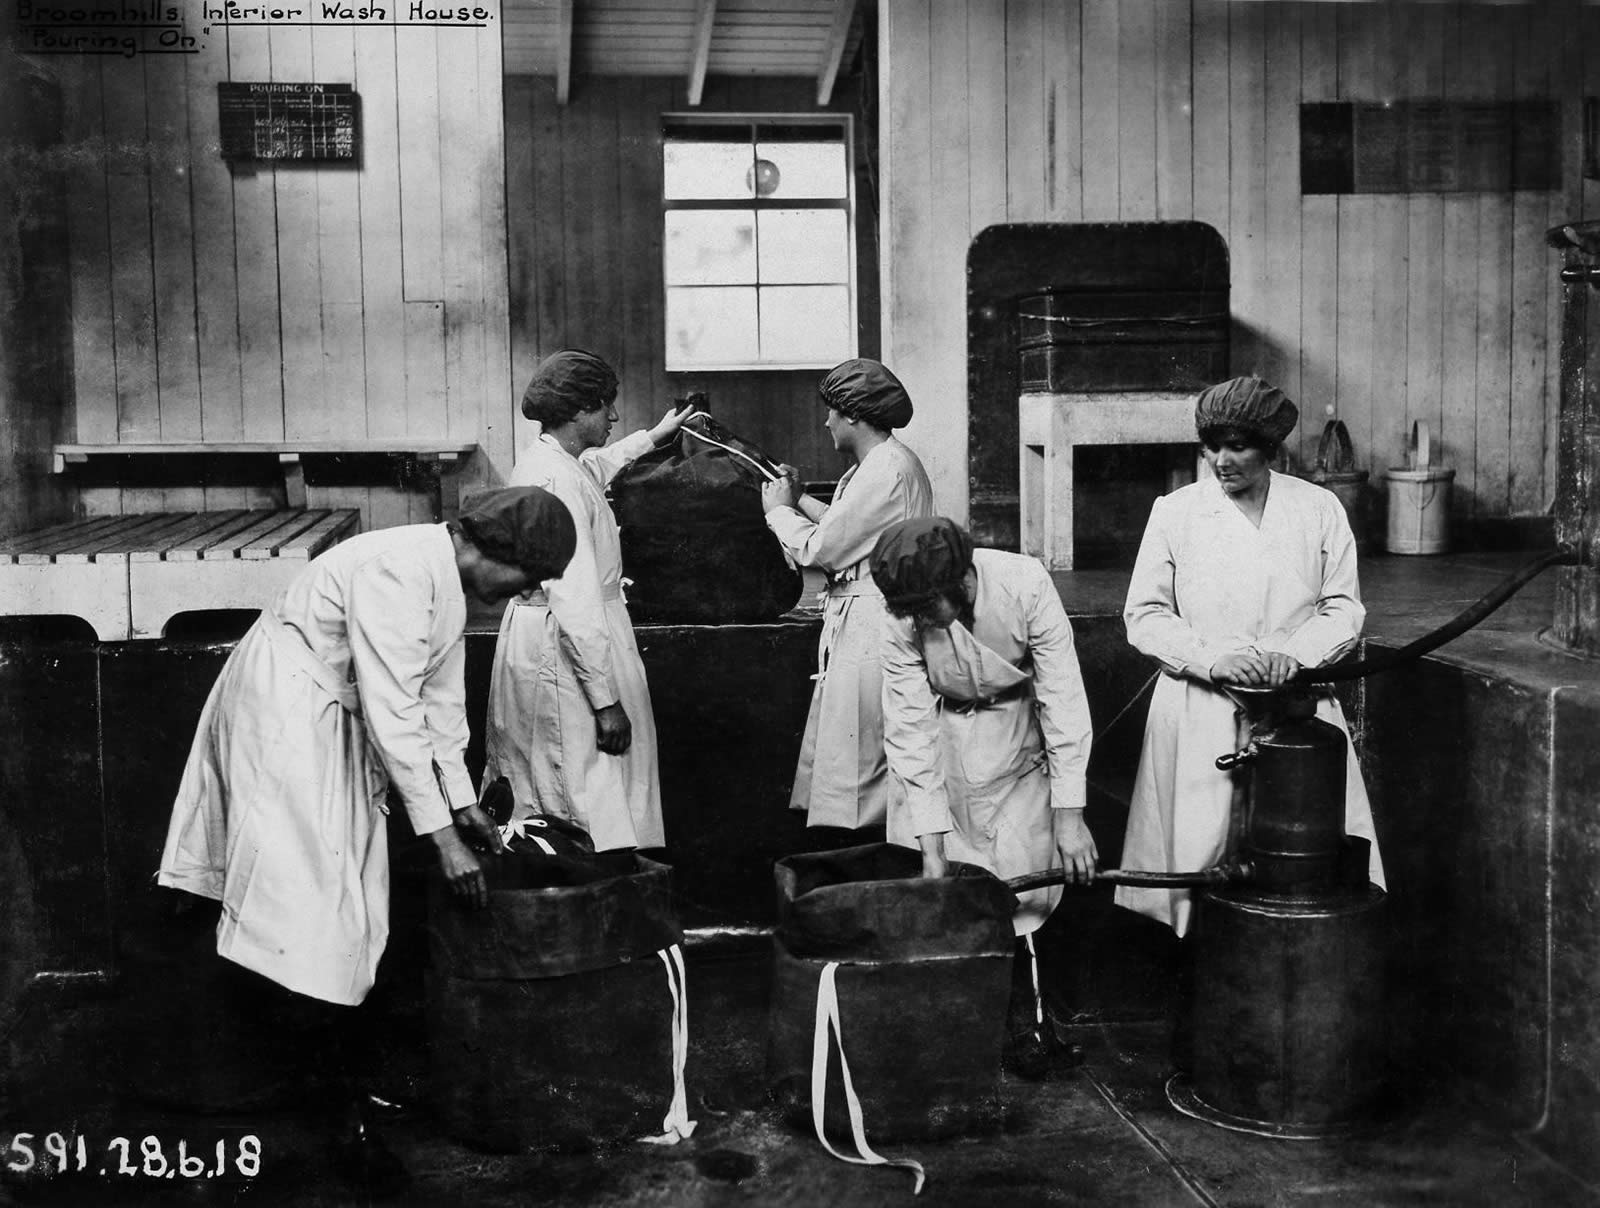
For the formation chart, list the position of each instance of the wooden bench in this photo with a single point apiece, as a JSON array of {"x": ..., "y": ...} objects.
[
  {"x": 445, "y": 457},
  {"x": 128, "y": 576}
]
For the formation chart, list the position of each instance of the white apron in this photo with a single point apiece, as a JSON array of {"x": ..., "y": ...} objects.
[
  {"x": 841, "y": 778},
  {"x": 1207, "y": 582},
  {"x": 567, "y": 650},
  {"x": 305, "y": 893},
  {"x": 988, "y": 742},
  {"x": 995, "y": 768}
]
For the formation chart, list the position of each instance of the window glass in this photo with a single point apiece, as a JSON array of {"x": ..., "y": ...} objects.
[
  {"x": 806, "y": 169},
  {"x": 707, "y": 171},
  {"x": 805, "y": 324},
  {"x": 710, "y": 247},
  {"x": 711, "y": 326},
  {"x": 803, "y": 246}
]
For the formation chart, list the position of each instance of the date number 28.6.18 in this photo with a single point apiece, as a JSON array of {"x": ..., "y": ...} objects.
[{"x": 31, "y": 1154}]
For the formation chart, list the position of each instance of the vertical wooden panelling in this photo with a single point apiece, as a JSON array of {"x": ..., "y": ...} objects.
[
  {"x": 1137, "y": 99},
  {"x": 522, "y": 236},
  {"x": 461, "y": 258},
  {"x": 258, "y": 303},
  {"x": 1459, "y": 281},
  {"x": 547, "y": 217},
  {"x": 1026, "y": 148},
  {"x": 985, "y": 169},
  {"x": 637, "y": 206},
  {"x": 172, "y": 242},
  {"x": 419, "y": 90},
  {"x": 216, "y": 281},
  {"x": 1174, "y": 112},
  {"x": 1357, "y": 217},
  {"x": 1278, "y": 323},
  {"x": 1391, "y": 283},
  {"x": 1427, "y": 30},
  {"x": 1247, "y": 183},
  {"x": 1532, "y": 285},
  {"x": 493, "y": 411},
  {"x": 382, "y": 249},
  {"x": 950, "y": 156},
  {"x": 94, "y": 355},
  {"x": 133, "y": 320},
  {"x": 1063, "y": 73},
  {"x": 1319, "y": 234},
  {"x": 1102, "y": 145},
  {"x": 1491, "y": 410}
]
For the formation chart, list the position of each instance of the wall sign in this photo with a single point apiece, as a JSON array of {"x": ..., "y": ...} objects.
[
  {"x": 1430, "y": 146},
  {"x": 289, "y": 123}
]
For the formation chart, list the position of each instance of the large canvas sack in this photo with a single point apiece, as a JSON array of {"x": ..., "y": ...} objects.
[
  {"x": 556, "y": 1015},
  {"x": 921, "y": 970},
  {"x": 695, "y": 544}
]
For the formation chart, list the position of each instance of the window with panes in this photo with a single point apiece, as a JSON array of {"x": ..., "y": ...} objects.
[{"x": 758, "y": 245}]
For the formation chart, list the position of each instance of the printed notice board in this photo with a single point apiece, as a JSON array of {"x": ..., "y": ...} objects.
[{"x": 289, "y": 123}]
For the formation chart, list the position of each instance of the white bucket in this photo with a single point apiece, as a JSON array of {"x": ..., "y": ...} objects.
[{"x": 1419, "y": 500}]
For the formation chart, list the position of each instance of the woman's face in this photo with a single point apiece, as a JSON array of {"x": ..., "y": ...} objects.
[
  {"x": 595, "y": 426},
  {"x": 1241, "y": 467},
  {"x": 841, "y": 429}
]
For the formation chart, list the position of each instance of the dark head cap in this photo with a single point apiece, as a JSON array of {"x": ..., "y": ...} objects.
[
  {"x": 526, "y": 527},
  {"x": 566, "y": 383},
  {"x": 916, "y": 561},
  {"x": 1249, "y": 405},
  {"x": 866, "y": 390}
]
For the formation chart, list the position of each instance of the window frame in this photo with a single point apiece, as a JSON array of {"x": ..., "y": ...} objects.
[{"x": 751, "y": 122}]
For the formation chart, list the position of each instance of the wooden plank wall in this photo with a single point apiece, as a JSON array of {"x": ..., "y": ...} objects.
[
  {"x": 297, "y": 303},
  {"x": 584, "y": 231},
  {"x": 1378, "y": 309}
]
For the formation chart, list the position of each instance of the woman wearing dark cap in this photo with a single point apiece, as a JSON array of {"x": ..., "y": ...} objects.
[
  {"x": 569, "y": 709},
  {"x": 350, "y": 684},
  {"x": 1241, "y": 579},
  {"x": 986, "y": 725},
  {"x": 841, "y": 779}
]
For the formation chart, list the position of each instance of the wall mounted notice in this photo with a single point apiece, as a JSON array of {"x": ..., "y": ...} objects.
[{"x": 289, "y": 123}]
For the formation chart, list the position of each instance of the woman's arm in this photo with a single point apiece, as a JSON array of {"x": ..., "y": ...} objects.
[
  {"x": 847, "y": 530},
  {"x": 1335, "y": 626},
  {"x": 911, "y": 736},
  {"x": 1151, "y": 612}
]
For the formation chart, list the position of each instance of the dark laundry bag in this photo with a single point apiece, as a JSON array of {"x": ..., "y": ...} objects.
[
  {"x": 923, "y": 979},
  {"x": 550, "y": 1013},
  {"x": 695, "y": 544}
]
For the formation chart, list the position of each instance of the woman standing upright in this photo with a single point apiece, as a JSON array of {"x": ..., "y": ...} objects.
[
  {"x": 569, "y": 709},
  {"x": 842, "y": 777},
  {"x": 1241, "y": 579}
]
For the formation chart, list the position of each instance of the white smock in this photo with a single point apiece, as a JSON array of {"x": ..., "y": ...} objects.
[
  {"x": 841, "y": 778},
  {"x": 1208, "y": 582},
  {"x": 350, "y": 681},
  {"x": 568, "y": 650},
  {"x": 988, "y": 729}
]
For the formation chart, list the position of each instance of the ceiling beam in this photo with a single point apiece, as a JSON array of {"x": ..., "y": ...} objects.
[
  {"x": 564, "y": 52},
  {"x": 700, "y": 51},
  {"x": 844, "y": 12}
]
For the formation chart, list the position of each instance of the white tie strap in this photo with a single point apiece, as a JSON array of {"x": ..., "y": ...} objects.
[
  {"x": 677, "y": 1126},
  {"x": 828, "y": 1024}
]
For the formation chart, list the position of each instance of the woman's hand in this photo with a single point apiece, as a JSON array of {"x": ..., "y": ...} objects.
[
  {"x": 461, "y": 869},
  {"x": 934, "y": 865},
  {"x": 668, "y": 427},
  {"x": 781, "y": 493},
  {"x": 1281, "y": 668},
  {"x": 613, "y": 730},
  {"x": 1079, "y": 856},
  {"x": 477, "y": 824},
  {"x": 1243, "y": 667}
]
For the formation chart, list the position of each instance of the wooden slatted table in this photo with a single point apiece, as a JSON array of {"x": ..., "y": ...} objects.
[{"x": 128, "y": 576}]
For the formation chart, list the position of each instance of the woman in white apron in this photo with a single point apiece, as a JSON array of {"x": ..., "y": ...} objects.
[
  {"x": 986, "y": 724},
  {"x": 349, "y": 684},
  {"x": 1242, "y": 578},
  {"x": 570, "y": 724},
  {"x": 841, "y": 779}
]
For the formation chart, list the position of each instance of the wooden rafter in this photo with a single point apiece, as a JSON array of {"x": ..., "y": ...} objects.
[
  {"x": 705, "y": 18},
  {"x": 564, "y": 52},
  {"x": 844, "y": 12}
]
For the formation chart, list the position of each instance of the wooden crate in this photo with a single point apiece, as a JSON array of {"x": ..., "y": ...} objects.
[{"x": 128, "y": 576}]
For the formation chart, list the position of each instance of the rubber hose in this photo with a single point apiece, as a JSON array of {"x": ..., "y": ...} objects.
[
  {"x": 1473, "y": 615},
  {"x": 1220, "y": 875}
]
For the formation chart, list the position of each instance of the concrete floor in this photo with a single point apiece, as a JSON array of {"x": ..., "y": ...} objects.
[{"x": 1102, "y": 1133}]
